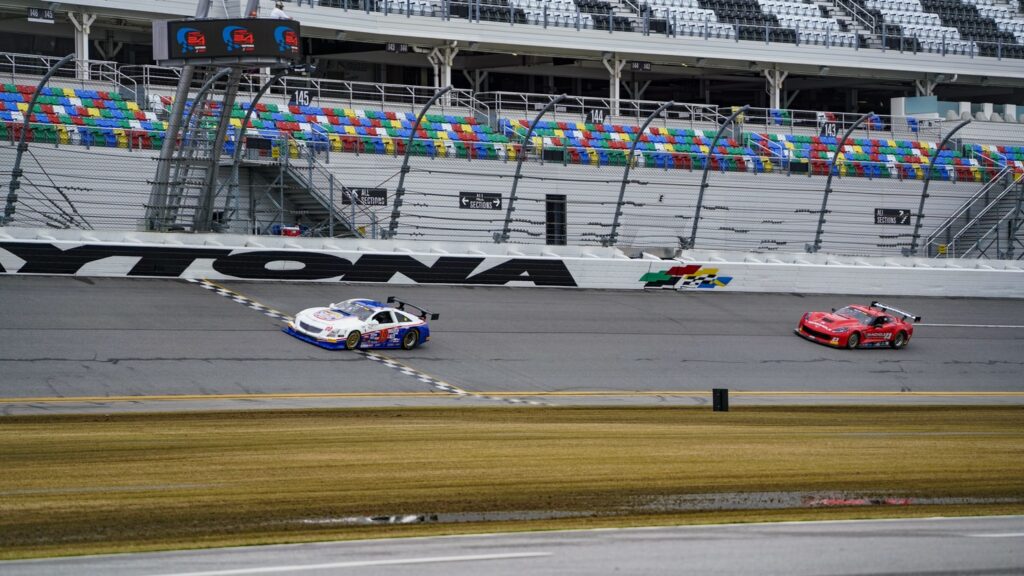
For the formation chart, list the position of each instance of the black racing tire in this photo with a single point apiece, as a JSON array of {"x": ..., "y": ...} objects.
[
  {"x": 853, "y": 341},
  {"x": 353, "y": 340},
  {"x": 410, "y": 339},
  {"x": 900, "y": 340}
]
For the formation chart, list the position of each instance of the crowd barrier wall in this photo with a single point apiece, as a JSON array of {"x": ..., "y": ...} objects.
[{"x": 25, "y": 251}]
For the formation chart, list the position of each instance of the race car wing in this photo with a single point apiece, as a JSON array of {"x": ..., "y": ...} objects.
[
  {"x": 423, "y": 312},
  {"x": 905, "y": 315}
]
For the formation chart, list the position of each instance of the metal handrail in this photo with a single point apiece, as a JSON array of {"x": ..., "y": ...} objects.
[
  {"x": 993, "y": 230},
  {"x": 965, "y": 207},
  {"x": 991, "y": 205}
]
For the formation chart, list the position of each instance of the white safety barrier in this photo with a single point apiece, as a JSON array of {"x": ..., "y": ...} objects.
[{"x": 226, "y": 257}]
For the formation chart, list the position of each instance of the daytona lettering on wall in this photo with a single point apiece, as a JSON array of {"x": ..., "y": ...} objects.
[{"x": 173, "y": 262}]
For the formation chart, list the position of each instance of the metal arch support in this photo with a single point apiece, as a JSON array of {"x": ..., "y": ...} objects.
[
  {"x": 927, "y": 180},
  {"x": 614, "y": 234},
  {"x": 707, "y": 166},
  {"x": 12, "y": 188},
  {"x": 828, "y": 182},
  {"x": 236, "y": 156},
  {"x": 160, "y": 217},
  {"x": 400, "y": 190},
  {"x": 519, "y": 166}
]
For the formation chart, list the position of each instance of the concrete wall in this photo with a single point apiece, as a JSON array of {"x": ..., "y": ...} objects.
[{"x": 226, "y": 257}]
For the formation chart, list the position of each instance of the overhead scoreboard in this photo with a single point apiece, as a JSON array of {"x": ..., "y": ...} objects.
[{"x": 242, "y": 41}]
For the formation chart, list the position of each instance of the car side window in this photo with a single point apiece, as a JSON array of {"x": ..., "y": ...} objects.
[
  {"x": 383, "y": 317},
  {"x": 402, "y": 318}
]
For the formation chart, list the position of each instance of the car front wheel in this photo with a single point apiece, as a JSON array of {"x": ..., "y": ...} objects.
[
  {"x": 853, "y": 341},
  {"x": 411, "y": 339},
  {"x": 353, "y": 339},
  {"x": 900, "y": 340}
]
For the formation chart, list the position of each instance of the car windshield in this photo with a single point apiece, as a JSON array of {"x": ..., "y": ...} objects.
[
  {"x": 354, "y": 309},
  {"x": 856, "y": 314}
]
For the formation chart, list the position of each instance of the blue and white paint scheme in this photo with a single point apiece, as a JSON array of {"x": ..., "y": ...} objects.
[{"x": 363, "y": 323}]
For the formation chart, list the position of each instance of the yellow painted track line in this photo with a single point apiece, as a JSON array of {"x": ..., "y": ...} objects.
[{"x": 595, "y": 394}]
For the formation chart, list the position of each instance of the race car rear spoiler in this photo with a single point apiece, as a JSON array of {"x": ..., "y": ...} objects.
[
  {"x": 423, "y": 312},
  {"x": 905, "y": 315}
]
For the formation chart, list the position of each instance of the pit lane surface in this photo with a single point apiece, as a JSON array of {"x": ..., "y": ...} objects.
[
  {"x": 936, "y": 546},
  {"x": 101, "y": 338}
]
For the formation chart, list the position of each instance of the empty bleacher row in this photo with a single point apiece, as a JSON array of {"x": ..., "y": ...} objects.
[
  {"x": 948, "y": 26},
  {"x": 70, "y": 116},
  {"x": 975, "y": 27}
]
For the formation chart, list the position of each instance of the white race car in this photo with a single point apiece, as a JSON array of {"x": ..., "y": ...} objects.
[{"x": 362, "y": 323}]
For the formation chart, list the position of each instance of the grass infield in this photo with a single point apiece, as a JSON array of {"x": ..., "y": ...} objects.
[{"x": 88, "y": 484}]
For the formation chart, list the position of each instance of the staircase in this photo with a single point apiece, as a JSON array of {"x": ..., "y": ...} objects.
[
  {"x": 986, "y": 225},
  {"x": 316, "y": 199},
  {"x": 860, "y": 21}
]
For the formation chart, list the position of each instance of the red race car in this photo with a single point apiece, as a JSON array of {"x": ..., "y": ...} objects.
[{"x": 857, "y": 326}]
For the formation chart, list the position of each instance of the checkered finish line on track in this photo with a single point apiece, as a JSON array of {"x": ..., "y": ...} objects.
[{"x": 435, "y": 383}]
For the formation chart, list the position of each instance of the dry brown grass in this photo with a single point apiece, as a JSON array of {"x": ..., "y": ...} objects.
[{"x": 77, "y": 484}]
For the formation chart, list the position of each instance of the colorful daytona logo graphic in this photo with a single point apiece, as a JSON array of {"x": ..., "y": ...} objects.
[
  {"x": 192, "y": 41},
  {"x": 287, "y": 40},
  {"x": 691, "y": 276},
  {"x": 239, "y": 39}
]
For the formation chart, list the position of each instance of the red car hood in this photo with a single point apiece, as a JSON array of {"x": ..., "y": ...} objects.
[{"x": 831, "y": 320}]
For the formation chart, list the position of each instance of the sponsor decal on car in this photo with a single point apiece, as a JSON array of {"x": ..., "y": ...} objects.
[{"x": 327, "y": 315}]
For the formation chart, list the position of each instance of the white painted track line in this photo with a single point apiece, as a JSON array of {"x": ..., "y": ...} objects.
[{"x": 359, "y": 564}]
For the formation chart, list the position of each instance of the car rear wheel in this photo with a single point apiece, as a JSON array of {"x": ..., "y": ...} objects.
[
  {"x": 853, "y": 341},
  {"x": 353, "y": 340},
  {"x": 900, "y": 340},
  {"x": 411, "y": 339}
]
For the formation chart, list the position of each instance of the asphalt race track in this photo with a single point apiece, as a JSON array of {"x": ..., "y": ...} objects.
[
  {"x": 936, "y": 546},
  {"x": 95, "y": 339}
]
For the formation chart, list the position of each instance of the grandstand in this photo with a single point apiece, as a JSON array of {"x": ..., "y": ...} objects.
[{"x": 332, "y": 164}]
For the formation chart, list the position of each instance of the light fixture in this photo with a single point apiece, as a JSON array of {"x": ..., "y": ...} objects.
[
  {"x": 701, "y": 61},
  {"x": 823, "y": 70},
  {"x": 340, "y": 35},
  {"x": 606, "y": 55}
]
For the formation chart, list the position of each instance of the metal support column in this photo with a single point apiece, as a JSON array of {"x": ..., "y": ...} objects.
[
  {"x": 83, "y": 28},
  {"x": 775, "y": 78},
  {"x": 155, "y": 210},
  {"x": 614, "y": 66}
]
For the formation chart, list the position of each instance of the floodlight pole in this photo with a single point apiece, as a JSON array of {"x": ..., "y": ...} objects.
[
  {"x": 12, "y": 188},
  {"x": 613, "y": 235}
]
